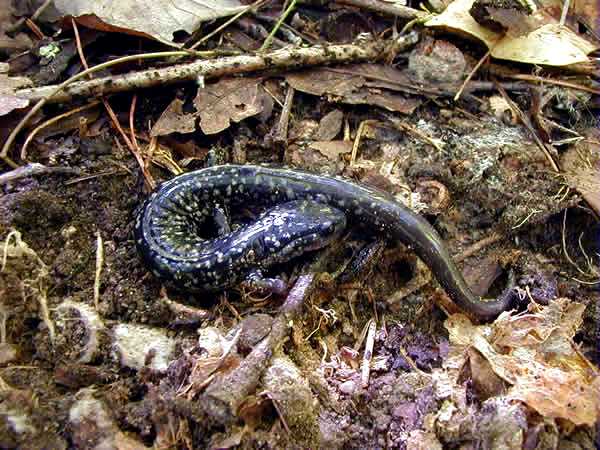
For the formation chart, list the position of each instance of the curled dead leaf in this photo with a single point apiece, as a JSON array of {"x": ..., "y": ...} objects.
[
  {"x": 534, "y": 353},
  {"x": 158, "y": 19},
  {"x": 550, "y": 44}
]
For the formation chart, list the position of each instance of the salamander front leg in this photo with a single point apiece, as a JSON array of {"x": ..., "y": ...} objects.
[{"x": 256, "y": 280}]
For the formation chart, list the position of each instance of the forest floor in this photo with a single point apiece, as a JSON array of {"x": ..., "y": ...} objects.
[{"x": 96, "y": 353}]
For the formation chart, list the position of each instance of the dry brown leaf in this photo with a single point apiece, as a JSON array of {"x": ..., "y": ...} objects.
[
  {"x": 534, "y": 353},
  {"x": 349, "y": 88},
  {"x": 481, "y": 276},
  {"x": 585, "y": 11},
  {"x": 581, "y": 167},
  {"x": 550, "y": 44},
  {"x": 499, "y": 105},
  {"x": 330, "y": 125},
  {"x": 230, "y": 99},
  {"x": 158, "y": 19},
  {"x": 323, "y": 81},
  {"x": 8, "y": 85},
  {"x": 516, "y": 23},
  {"x": 485, "y": 381},
  {"x": 457, "y": 17},
  {"x": 174, "y": 120},
  {"x": 9, "y": 103},
  {"x": 560, "y": 317},
  {"x": 332, "y": 149}
]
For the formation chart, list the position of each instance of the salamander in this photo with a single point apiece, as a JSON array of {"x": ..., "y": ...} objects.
[{"x": 305, "y": 211}]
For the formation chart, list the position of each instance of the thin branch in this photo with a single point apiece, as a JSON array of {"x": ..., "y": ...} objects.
[
  {"x": 38, "y": 12},
  {"x": 51, "y": 121},
  {"x": 283, "y": 58},
  {"x": 471, "y": 74},
  {"x": 527, "y": 123},
  {"x": 49, "y": 92},
  {"x": 385, "y": 7},
  {"x": 282, "y": 18},
  {"x": 227, "y": 23}
]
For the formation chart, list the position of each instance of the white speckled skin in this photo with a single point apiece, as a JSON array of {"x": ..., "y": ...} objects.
[{"x": 166, "y": 236}]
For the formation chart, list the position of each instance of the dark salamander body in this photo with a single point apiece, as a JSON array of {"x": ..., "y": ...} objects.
[{"x": 309, "y": 211}]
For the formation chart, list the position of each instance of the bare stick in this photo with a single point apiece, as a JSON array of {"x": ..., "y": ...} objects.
[
  {"x": 51, "y": 91},
  {"x": 471, "y": 74},
  {"x": 281, "y": 132},
  {"x": 99, "y": 263},
  {"x": 565, "y": 12},
  {"x": 387, "y": 8},
  {"x": 282, "y": 18},
  {"x": 283, "y": 58},
  {"x": 368, "y": 355},
  {"x": 33, "y": 169},
  {"x": 38, "y": 12},
  {"x": 478, "y": 246}
]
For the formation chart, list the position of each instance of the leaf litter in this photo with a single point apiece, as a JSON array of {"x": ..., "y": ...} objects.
[{"x": 363, "y": 364}]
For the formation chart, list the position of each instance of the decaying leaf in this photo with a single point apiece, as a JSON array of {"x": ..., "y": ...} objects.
[
  {"x": 8, "y": 85},
  {"x": 351, "y": 88},
  {"x": 535, "y": 355},
  {"x": 330, "y": 125},
  {"x": 9, "y": 103},
  {"x": 515, "y": 23},
  {"x": 217, "y": 104},
  {"x": 322, "y": 81},
  {"x": 158, "y": 19},
  {"x": 332, "y": 149},
  {"x": 581, "y": 167},
  {"x": 230, "y": 99},
  {"x": 550, "y": 44},
  {"x": 581, "y": 11},
  {"x": 174, "y": 120}
]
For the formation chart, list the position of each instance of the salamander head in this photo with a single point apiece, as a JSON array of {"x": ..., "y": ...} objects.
[{"x": 296, "y": 227}]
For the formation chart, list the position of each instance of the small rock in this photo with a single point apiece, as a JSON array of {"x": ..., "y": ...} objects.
[
  {"x": 139, "y": 346},
  {"x": 348, "y": 387},
  {"x": 295, "y": 401},
  {"x": 93, "y": 427},
  {"x": 8, "y": 353},
  {"x": 437, "y": 61}
]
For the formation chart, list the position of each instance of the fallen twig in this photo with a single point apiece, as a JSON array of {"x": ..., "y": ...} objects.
[
  {"x": 542, "y": 80},
  {"x": 385, "y": 7},
  {"x": 483, "y": 59},
  {"x": 33, "y": 169},
  {"x": 478, "y": 246},
  {"x": 98, "y": 273},
  {"x": 226, "y": 393},
  {"x": 284, "y": 58},
  {"x": 38, "y": 12},
  {"x": 49, "y": 92},
  {"x": 527, "y": 123},
  {"x": 281, "y": 130},
  {"x": 283, "y": 16},
  {"x": 368, "y": 355}
]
